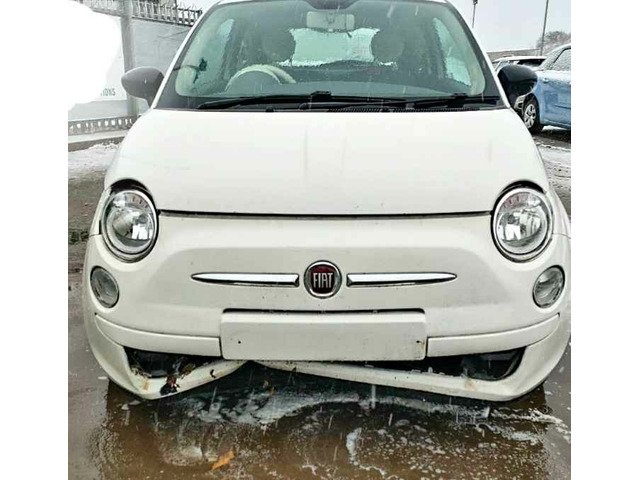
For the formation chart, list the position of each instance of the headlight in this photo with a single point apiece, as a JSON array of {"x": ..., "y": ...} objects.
[
  {"x": 522, "y": 224},
  {"x": 129, "y": 224}
]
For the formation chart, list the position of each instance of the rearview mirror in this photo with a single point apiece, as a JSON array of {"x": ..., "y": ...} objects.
[
  {"x": 143, "y": 82},
  {"x": 331, "y": 21},
  {"x": 517, "y": 80}
]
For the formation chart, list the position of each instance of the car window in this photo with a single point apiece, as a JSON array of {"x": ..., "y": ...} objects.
[
  {"x": 455, "y": 67},
  {"x": 193, "y": 70},
  {"x": 385, "y": 48},
  {"x": 563, "y": 63}
]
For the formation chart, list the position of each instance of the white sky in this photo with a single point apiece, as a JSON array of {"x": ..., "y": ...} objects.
[{"x": 500, "y": 24}]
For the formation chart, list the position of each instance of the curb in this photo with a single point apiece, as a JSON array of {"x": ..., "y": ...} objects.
[{"x": 82, "y": 142}]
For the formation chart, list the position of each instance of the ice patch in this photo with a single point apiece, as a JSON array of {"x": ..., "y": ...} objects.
[
  {"x": 265, "y": 408},
  {"x": 351, "y": 443},
  {"x": 313, "y": 468},
  {"x": 536, "y": 416},
  {"x": 187, "y": 455}
]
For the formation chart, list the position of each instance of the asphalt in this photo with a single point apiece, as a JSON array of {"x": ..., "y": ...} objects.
[{"x": 260, "y": 423}]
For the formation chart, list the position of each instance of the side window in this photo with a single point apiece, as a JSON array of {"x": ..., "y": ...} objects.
[
  {"x": 454, "y": 63},
  {"x": 563, "y": 63},
  {"x": 205, "y": 56}
]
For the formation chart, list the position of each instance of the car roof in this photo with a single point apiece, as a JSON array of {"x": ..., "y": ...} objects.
[
  {"x": 520, "y": 57},
  {"x": 561, "y": 47}
]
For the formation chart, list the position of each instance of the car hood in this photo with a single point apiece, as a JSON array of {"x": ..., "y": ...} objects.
[{"x": 319, "y": 163}]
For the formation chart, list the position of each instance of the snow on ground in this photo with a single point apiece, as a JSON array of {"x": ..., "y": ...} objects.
[
  {"x": 557, "y": 162},
  {"x": 92, "y": 162}
]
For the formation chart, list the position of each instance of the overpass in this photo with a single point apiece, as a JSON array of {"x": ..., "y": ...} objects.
[{"x": 145, "y": 10}]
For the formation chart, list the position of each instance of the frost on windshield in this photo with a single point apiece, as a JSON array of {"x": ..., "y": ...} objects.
[{"x": 317, "y": 48}]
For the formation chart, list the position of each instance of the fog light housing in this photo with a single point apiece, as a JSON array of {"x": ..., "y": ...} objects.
[
  {"x": 548, "y": 287},
  {"x": 104, "y": 287}
]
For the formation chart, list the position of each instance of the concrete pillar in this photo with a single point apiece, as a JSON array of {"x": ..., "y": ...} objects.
[{"x": 128, "y": 49}]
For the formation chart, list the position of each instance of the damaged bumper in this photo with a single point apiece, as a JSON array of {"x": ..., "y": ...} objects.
[
  {"x": 400, "y": 336},
  {"x": 491, "y": 376}
]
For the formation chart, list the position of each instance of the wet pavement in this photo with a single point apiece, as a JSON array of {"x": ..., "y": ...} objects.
[{"x": 261, "y": 423}]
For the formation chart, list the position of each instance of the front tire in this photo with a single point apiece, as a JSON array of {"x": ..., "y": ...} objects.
[{"x": 531, "y": 115}]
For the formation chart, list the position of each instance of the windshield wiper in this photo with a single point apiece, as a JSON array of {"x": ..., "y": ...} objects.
[
  {"x": 457, "y": 100},
  {"x": 301, "y": 100},
  {"x": 322, "y": 99}
]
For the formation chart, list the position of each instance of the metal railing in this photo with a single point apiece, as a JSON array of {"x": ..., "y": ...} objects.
[
  {"x": 145, "y": 10},
  {"x": 81, "y": 127}
]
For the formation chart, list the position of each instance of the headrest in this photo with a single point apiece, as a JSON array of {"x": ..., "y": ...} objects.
[
  {"x": 387, "y": 45},
  {"x": 278, "y": 45}
]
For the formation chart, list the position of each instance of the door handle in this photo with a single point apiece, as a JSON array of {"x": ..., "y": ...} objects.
[{"x": 545, "y": 80}]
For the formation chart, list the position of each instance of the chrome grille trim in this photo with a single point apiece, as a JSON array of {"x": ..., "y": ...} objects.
[
  {"x": 397, "y": 279},
  {"x": 250, "y": 279}
]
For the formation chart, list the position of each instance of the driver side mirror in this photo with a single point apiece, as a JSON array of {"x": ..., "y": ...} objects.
[
  {"x": 517, "y": 80},
  {"x": 143, "y": 82}
]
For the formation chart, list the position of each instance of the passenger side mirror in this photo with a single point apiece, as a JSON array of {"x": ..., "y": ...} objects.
[
  {"x": 517, "y": 80},
  {"x": 143, "y": 82}
]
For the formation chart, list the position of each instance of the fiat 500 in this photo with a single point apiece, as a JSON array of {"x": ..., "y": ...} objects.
[{"x": 332, "y": 187}]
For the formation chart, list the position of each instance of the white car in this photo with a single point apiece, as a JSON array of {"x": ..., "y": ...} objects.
[{"x": 337, "y": 188}]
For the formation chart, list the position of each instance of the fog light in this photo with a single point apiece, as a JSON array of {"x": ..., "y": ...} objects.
[
  {"x": 548, "y": 287},
  {"x": 104, "y": 287}
]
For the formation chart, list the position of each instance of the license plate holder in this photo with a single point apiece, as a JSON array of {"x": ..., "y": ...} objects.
[{"x": 375, "y": 336}]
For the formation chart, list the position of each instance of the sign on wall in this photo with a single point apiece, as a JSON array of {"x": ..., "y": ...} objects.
[{"x": 113, "y": 89}]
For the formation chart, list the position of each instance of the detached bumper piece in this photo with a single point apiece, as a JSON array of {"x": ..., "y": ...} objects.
[
  {"x": 169, "y": 369},
  {"x": 496, "y": 376},
  {"x": 485, "y": 366}
]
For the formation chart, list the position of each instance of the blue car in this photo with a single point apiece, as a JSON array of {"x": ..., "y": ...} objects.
[{"x": 550, "y": 101}]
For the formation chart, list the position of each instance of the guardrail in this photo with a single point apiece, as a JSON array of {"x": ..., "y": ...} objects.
[
  {"x": 146, "y": 11},
  {"x": 82, "y": 127}
]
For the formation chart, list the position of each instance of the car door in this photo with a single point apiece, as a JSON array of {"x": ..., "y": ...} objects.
[{"x": 555, "y": 91}]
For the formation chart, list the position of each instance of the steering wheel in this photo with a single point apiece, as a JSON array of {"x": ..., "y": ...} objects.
[{"x": 256, "y": 77}]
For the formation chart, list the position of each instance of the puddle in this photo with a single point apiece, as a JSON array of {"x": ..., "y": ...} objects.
[{"x": 291, "y": 427}]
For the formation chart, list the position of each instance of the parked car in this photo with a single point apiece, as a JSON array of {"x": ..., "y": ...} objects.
[
  {"x": 550, "y": 101},
  {"x": 334, "y": 189},
  {"x": 532, "y": 61}
]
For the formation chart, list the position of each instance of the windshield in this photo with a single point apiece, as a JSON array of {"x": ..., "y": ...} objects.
[{"x": 356, "y": 48}]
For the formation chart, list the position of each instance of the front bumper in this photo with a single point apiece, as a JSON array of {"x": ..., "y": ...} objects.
[{"x": 488, "y": 308}]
